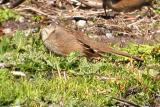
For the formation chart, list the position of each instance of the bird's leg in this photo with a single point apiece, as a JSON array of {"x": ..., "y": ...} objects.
[
  {"x": 150, "y": 12},
  {"x": 104, "y": 6}
]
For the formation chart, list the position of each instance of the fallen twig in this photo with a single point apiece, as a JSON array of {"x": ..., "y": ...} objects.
[
  {"x": 91, "y": 3},
  {"x": 124, "y": 101},
  {"x": 37, "y": 11}
]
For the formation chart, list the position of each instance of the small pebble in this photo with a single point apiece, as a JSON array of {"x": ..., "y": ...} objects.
[
  {"x": 18, "y": 73},
  {"x": 7, "y": 30},
  {"x": 109, "y": 35},
  {"x": 77, "y": 3},
  {"x": 21, "y": 19},
  {"x": 81, "y": 23}
]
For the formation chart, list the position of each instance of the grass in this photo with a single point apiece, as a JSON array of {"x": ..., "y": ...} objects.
[
  {"x": 7, "y": 14},
  {"x": 73, "y": 81}
]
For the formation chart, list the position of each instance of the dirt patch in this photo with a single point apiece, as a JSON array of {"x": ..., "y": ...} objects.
[{"x": 115, "y": 30}]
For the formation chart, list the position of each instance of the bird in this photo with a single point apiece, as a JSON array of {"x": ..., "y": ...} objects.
[
  {"x": 125, "y": 5},
  {"x": 62, "y": 41},
  {"x": 59, "y": 41}
]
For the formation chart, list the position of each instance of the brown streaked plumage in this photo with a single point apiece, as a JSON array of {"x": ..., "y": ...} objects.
[{"x": 125, "y": 5}]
